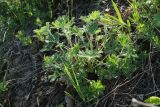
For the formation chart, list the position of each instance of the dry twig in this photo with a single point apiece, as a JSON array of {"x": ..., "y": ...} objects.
[{"x": 136, "y": 103}]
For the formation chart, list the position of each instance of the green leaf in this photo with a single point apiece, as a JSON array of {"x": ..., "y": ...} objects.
[
  {"x": 110, "y": 17},
  {"x": 117, "y": 12},
  {"x": 96, "y": 88},
  {"x": 74, "y": 81},
  {"x": 111, "y": 20},
  {"x": 38, "y": 21},
  {"x": 123, "y": 39},
  {"x": 48, "y": 61},
  {"x": 90, "y": 54},
  {"x": 94, "y": 15},
  {"x": 92, "y": 28},
  {"x": 113, "y": 60},
  {"x": 62, "y": 22},
  {"x": 156, "y": 20},
  {"x": 91, "y": 17},
  {"x": 50, "y": 40},
  {"x": 153, "y": 100},
  {"x": 42, "y": 32},
  {"x": 26, "y": 40},
  {"x": 47, "y": 47},
  {"x": 52, "y": 77},
  {"x": 73, "y": 51},
  {"x": 3, "y": 86},
  {"x": 97, "y": 85},
  {"x": 77, "y": 31}
]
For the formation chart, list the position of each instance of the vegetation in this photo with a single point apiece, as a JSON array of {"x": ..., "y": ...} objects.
[
  {"x": 153, "y": 100},
  {"x": 88, "y": 50}
]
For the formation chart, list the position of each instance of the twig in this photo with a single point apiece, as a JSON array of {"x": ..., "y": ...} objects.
[
  {"x": 136, "y": 103},
  {"x": 4, "y": 35},
  {"x": 104, "y": 98}
]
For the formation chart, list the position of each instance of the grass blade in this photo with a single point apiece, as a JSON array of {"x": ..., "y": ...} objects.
[
  {"x": 117, "y": 12},
  {"x": 74, "y": 82}
]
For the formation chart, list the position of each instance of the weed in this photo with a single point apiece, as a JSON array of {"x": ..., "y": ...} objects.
[
  {"x": 153, "y": 100},
  {"x": 84, "y": 50},
  {"x": 3, "y": 86}
]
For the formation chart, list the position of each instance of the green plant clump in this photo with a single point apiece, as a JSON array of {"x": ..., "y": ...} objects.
[
  {"x": 24, "y": 15},
  {"x": 3, "y": 86},
  {"x": 107, "y": 51},
  {"x": 105, "y": 45},
  {"x": 153, "y": 100}
]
